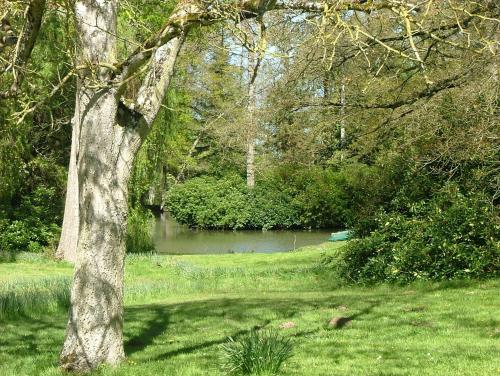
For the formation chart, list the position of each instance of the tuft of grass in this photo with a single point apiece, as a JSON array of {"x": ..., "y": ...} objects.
[
  {"x": 27, "y": 297},
  {"x": 256, "y": 353}
]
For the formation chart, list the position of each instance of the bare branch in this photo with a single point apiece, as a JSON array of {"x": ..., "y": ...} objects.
[
  {"x": 429, "y": 92},
  {"x": 192, "y": 13},
  {"x": 25, "y": 43}
]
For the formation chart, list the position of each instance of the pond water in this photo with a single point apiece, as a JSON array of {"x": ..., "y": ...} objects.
[{"x": 172, "y": 238}]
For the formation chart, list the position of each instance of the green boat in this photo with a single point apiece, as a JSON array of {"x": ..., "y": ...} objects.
[{"x": 340, "y": 236}]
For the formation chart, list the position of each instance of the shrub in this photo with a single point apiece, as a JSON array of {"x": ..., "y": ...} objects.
[
  {"x": 307, "y": 199},
  {"x": 257, "y": 353},
  {"x": 208, "y": 202},
  {"x": 34, "y": 224},
  {"x": 272, "y": 205},
  {"x": 450, "y": 236},
  {"x": 367, "y": 189},
  {"x": 321, "y": 201}
]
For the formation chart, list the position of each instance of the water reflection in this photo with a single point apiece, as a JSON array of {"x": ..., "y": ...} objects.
[{"x": 172, "y": 238}]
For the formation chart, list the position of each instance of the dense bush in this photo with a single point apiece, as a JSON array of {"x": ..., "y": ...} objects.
[
  {"x": 208, "y": 202},
  {"x": 34, "y": 224},
  {"x": 308, "y": 199},
  {"x": 450, "y": 236},
  {"x": 319, "y": 198}
]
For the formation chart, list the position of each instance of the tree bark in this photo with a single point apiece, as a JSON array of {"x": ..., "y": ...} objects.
[
  {"x": 94, "y": 330},
  {"x": 107, "y": 148},
  {"x": 250, "y": 157},
  {"x": 110, "y": 135},
  {"x": 255, "y": 56},
  {"x": 66, "y": 250},
  {"x": 342, "y": 118}
]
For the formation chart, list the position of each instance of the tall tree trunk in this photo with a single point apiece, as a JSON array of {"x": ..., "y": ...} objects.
[
  {"x": 109, "y": 139},
  {"x": 251, "y": 163},
  {"x": 107, "y": 149},
  {"x": 256, "y": 53},
  {"x": 94, "y": 330},
  {"x": 66, "y": 250},
  {"x": 342, "y": 114},
  {"x": 251, "y": 132},
  {"x": 342, "y": 117}
]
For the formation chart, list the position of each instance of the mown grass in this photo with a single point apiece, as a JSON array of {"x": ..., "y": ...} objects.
[{"x": 180, "y": 309}]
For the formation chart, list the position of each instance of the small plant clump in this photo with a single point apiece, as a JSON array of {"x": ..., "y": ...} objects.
[{"x": 256, "y": 353}]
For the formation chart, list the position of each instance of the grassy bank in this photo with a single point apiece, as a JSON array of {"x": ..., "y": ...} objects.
[{"x": 179, "y": 309}]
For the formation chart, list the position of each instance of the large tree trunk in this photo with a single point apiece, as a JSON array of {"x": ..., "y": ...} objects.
[
  {"x": 107, "y": 149},
  {"x": 110, "y": 137},
  {"x": 104, "y": 158}
]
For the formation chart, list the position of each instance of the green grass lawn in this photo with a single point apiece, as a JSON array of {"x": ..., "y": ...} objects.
[{"x": 179, "y": 309}]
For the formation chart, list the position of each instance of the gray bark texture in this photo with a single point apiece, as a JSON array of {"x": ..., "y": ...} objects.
[
  {"x": 255, "y": 56},
  {"x": 66, "y": 249},
  {"x": 110, "y": 135},
  {"x": 94, "y": 330},
  {"x": 251, "y": 135},
  {"x": 342, "y": 114}
]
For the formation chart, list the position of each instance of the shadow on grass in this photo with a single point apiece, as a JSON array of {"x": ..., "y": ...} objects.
[
  {"x": 155, "y": 324},
  {"x": 27, "y": 337},
  {"x": 147, "y": 323},
  {"x": 340, "y": 321},
  {"x": 203, "y": 345},
  {"x": 192, "y": 330},
  {"x": 163, "y": 331}
]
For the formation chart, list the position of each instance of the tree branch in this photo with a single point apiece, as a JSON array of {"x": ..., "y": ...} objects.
[
  {"x": 25, "y": 43},
  {"x": 429, "y": 92},
  {"x": 198, "y": 12},
  {"x": 154, "y": 87}
]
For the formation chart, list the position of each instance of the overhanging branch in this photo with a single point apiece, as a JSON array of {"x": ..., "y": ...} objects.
[{"x": 192, "y": 13}]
